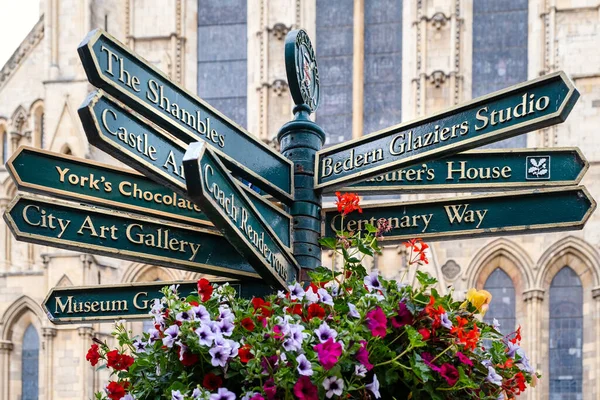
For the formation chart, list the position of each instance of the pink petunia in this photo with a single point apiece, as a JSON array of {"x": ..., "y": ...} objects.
[
  {"x": 464, "y": 359},
  {"x": 377, "y": 322},
  {"x": 449, "y": 373},
  {"x": 362, "y": 355},
  {"x": 304, "y": 389},
  {"x": 329, "y": 353}
]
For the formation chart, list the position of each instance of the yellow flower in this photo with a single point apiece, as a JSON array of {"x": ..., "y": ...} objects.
[{"x": 480, "y": 299}]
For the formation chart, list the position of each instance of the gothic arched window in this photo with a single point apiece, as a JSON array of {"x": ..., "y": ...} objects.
[
  {"x": 566, "y": 336},
  {"x": 30, "y": 364},
  {"x": 502, "y": 307}
]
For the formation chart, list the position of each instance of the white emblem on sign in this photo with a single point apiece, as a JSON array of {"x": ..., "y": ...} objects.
[{"x": 538, "y": 168}]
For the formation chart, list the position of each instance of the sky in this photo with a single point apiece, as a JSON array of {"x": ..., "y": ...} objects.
[{"x": 18, "y": 17}]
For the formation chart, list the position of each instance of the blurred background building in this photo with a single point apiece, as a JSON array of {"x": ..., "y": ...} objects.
[{"x": 381, "y": 62}]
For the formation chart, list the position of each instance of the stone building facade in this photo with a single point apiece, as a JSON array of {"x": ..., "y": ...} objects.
[{"x": 381, "y": 62}]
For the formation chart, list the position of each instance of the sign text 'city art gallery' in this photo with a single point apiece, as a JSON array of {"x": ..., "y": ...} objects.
[
  {"x": 111, "y": 66},
  {"x": 79, "y": 227},
  {"x": 522, "y": 108}
]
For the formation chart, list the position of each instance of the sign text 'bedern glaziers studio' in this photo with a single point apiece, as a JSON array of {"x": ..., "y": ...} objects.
[{"x": 532, "y": 105}]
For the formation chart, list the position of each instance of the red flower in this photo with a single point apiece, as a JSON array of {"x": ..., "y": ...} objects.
[
  {"x": 248, "y": 324},
  {"x": 245, "y": 354},
  {"x": 347, "y": 202},
  {"x": 517, "y": 337},
  {"x": 205, "y": 289},
  {"x": 425, "y": 333},
  {"x": 520, "y": 379},
  {"x": 212, "y": 381},
  {"x": 434, "y": 313},
  {"x": 304, "y": 389},
  {"x": 262, "y": 307},
  {"x": 296, "y": 309},
  {"x": 315, "y": 310},
  {"x": 187, "y": 359},
  {"x": 116, "y": 390},
  {"x": 92, "y": 355},
  {"x": 120, "y": 362},
  {"x": 418, "y": 249}
]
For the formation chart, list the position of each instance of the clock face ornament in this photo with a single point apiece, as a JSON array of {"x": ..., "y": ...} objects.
[{"x": 301, "y": 68}]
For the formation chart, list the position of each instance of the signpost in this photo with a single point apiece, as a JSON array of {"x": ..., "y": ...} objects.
[
  {"x": 483, "y": 170},
  {"x": 535, "y": 104},
  {"x": 232, "y": 212},
  {"x": 150, "y": 150},
  {"x": 111, "y": 66},
  {"x": 191, "y": 157},
  {"x": 126, "y": 236},
  {"x": 519, "y": 212},
  {"x": 77, "y": 304}
]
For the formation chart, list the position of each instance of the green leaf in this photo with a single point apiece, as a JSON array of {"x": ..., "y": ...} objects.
[
  {"x": 414, "y": 337},
  {"x": 370, "y": 228},
  {"x": 364, "y": 249},
  {"x": 328, "y": 242},
  {"x": 420, "y": 369},
  {"x": 425, "y": 279}
]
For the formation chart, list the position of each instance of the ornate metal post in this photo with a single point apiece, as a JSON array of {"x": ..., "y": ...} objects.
[{"x": 299, "y": 141}]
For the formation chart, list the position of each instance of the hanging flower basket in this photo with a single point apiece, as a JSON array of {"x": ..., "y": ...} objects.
[{"x": 346, "y": 335}]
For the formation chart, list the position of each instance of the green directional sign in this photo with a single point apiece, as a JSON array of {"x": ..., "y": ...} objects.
[
  {"x": 519, "y": 212},
  {"x": 232, "y": 212},
  {"x": 111, "y": 66},
  {"x": 126, "y": 236},
  {"x": 522, "y": 108},
  {"x": 132, "y": 139},
  {"x": 71, "y": 178},
  {"x": 75, "y": 304},
  {"x": 483, "y": 170}
]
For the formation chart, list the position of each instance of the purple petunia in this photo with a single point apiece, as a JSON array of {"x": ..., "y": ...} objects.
[
  {"x": 360, "y": 370},
  {"x": 333, "y": 386},
  {"x": 324, "y": 333},
  {"x": 170, "y": 335},
  {"x": 325, "y": 297},
  {"x": 304, "y": 366},
  {"x": 373, "y": 387},
  {"x": 445, "y": 321},
  {"x": 184, "y": 316},
  {"x": 205, "y": 335},
  {"x": 140, "y": 346},
  {"x": 200, "y": 313},
  {"x": 353, "y": 311},
  {"x": 372, "y": 282},
  {"x": 296, "y": 292},
  {"x": 493, "y": 377},
  {"x": 176, "y": 395},
  {"x": 222, "y": 394},
  {"x": 220, "y": 355}
]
